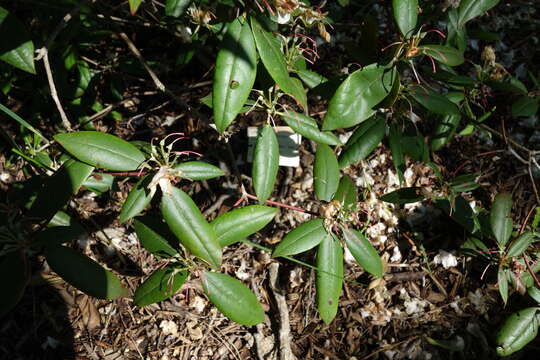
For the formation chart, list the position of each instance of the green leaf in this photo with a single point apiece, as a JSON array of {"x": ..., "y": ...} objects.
[
  {"x": 329, "y": 277},
  {"x": 134, "y": 6},
  {"x": 325, "y": 173},
  {"x": 298, "y": 92},
  {"x": 101, "y": 150},
  {"x": 265, "y": 163},
  {"x": 237, "y": 224},
  {"x": 534, "y": 293},
  {"x": 434, "y": 101},
  {"x": 500, "y": 220},
  {"x": 363, "y": 252},
  {"x": 14, "y": 284},
  {"x": 138, "y": 199},
  {"x": 404, "y": 195},
  {"x": 461, "y": 212},
  {"x": 311, "y": 78},
  {"x": 525, "y": 106},
  {"x": 236, "y": 68},
  {"x": 356, "y": 98},
  {"x": 444, "y": 54},
  {"x": 359, "y": 147},
  {"x": 84, "y": 273},
  {"x": 517, "y": 331},
  {"x": 234, "y": 299},
  {"x": 303, "y": 238},
  {"x": 398, "y": 158},
  {"x": 155, "y": 236},
  {"x": 306, "y": 126},
  {"x": 269, "y": 49},
  {"x": 16, "y": 47},
  {"x": 176, "y": 8},
  {"x": 99, "y": 182},
  {"x": 405, "y": 14},
  {"x": 502, "y": 279},
  {"x": 161, "y": 285},
  {"x": 190, "y": 227},
  {"x": 59, "y": 188},
  {"x": 198, "y": 170},
  {"x": 58, "y": 235},
  {"x": 346, "y": 193},
  {"x": 521, "y": 244},
  {"x": 444, "y": 131},
  {"x": 393, "y": 95},
  {"x": 469, "y": 9}
]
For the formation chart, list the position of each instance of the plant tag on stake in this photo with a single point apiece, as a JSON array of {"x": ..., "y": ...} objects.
[{"x": 288, "y": 141}]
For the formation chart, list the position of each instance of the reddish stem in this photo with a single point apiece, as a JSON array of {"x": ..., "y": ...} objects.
[
  {"x": 437, "y": 32},
  {"x": 128, "y": 173},
  {"x": 275, "y": 203}
]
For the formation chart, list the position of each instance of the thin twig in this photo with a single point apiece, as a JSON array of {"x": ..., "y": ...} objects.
[
  {"x": 45, "y": 55},
  {"x": 285, "y": 352},
  {"x": 531, "y": 271},
  {"x": 157, "y": 82}
]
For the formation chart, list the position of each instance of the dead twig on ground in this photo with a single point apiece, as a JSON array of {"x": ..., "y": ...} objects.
[
  {"x": 285, "y": 352},
  {"x": 43, "y": 54}
]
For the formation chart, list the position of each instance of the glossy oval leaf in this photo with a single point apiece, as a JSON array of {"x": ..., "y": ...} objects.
[
  {"x": 502, "y": 280},
  {"x": 517, "y": 331},
  {"x": 406, "y": 15},
  {"x": 198, "y": 170},
  {"x": 190, "y": 227},
  {"x": 269, "y": 49},
  {"x": 59, "y": 188},
  {"x": 500, "y": 218},
  {"x": 395, "y": 137},
  {"x": 58, "y": 235},
  {"x": 306, "y": 126},
  {"x": 404, "y": 195},
  {"x": 444, "y": 131},
  {"x": 521, "y": 244},
  {"x": 303, "y": 238},
  {"x": 329, "y": 280},
  {"x": 356, "y": 98},
  {"x": 311, "y": 78},
  {"x": 265, "y": 163},
  {"x": 444, "y": 54},
  {"x": 469, "y": 9},
  {"x": 84, "y": 273},
  {"x": 176, "y": 8},
  {"x": 363, "y": 252},
  {"x": 525, "y": 106},
  {"x": 16, "y": 47},
  {"x": 433, "y": 101},
  {"x": 99, "y": 182},
  {"x": 236, "y": 68},
  {"x": 234, "y": 299},
  {"x": 138, "y": 199},
  {"x": 161, "y": 285},
  {"x": 325, "y": 173},
  {"x": 13, "y": 286},
  {"x": 534, "y": 293},
  {"x": 346, "y": 193},
  {"x": 237, "y": 224},
  {"x": 359, "y": 147},
  {"x": 101, "y": 150},
  {"x": 155, "y": 236}
]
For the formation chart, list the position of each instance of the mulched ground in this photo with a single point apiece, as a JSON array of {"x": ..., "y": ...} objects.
[{"x": 390, "y": 318}]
